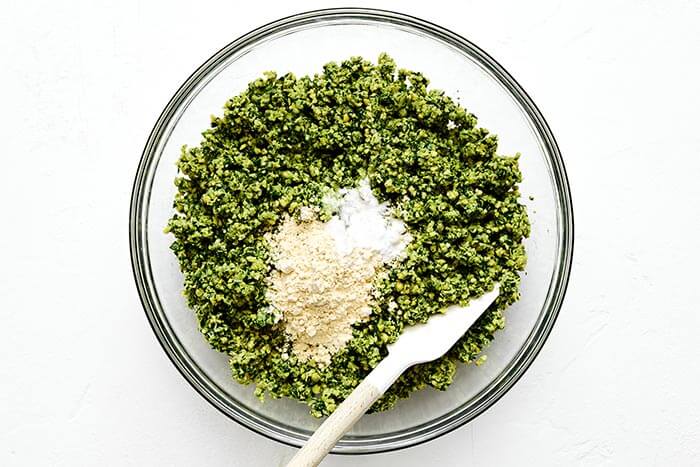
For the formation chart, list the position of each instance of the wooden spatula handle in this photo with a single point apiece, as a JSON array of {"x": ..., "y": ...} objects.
[{"x": 340, "y": 421}]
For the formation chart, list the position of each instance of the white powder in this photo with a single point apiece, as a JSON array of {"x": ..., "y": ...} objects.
[{"x": 363, "y": 222}]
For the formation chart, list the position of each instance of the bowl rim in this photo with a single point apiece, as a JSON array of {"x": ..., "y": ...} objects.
[{"x": 138, "y": 242}]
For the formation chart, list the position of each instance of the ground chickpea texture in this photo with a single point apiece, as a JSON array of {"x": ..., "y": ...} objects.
[{"x": 285, "y": 142}]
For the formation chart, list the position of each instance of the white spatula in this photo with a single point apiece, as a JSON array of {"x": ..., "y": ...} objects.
[{"x": 417, "y": 344}]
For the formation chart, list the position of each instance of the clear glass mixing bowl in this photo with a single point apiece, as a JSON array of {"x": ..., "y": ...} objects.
[{"x": 302, "y": 44}]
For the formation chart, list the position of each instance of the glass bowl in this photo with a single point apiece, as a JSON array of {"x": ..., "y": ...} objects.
[{"x": 302, "y": 44}]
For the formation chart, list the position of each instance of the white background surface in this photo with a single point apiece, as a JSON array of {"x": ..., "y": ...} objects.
[{"x": 82, "y": 378}]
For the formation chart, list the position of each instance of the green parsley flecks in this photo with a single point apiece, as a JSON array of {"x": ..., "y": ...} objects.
[{"x": 286, "y": 142}]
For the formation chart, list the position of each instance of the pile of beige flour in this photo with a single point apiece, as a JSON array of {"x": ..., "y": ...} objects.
[{"x": 324, "y": 272}]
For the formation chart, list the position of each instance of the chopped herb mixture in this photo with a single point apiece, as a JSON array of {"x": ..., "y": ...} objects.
[{"x": 284, "y": 143}]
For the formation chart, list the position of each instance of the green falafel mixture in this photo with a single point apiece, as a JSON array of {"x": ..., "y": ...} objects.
[{"x": 285, "y": 142}]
